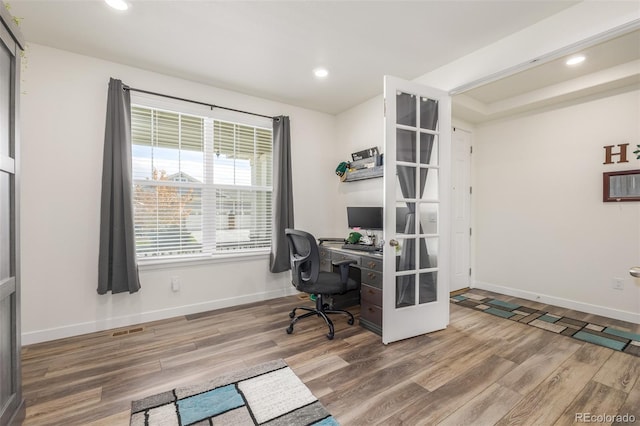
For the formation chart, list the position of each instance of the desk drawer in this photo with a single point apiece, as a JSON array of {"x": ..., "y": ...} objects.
[
  {"x": 371, "y": 263},
  {"x": 372, "y": 278},
  {"x": 371, "y": 313},
  {"x": 371, "y": 295},
  {"x": 343, "y": 256}
]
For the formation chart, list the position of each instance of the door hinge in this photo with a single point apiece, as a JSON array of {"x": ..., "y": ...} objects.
[
  {"x": 471, "y": 190},
  {"x": 470, "y": 232},
  {"x": 469, "y": 271},
  {"x": 384, "y": 108},
  {"x": 471, "y": 149}
]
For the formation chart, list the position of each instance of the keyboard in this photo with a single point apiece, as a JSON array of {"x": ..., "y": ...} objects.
[{"x": 361, "y": 247}]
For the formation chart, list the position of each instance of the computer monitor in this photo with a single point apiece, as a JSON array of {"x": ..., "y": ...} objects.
[{"x": 365, "y": 218}]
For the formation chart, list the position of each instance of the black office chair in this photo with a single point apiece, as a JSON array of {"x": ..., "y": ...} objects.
[{"x": 307, "y": 277}]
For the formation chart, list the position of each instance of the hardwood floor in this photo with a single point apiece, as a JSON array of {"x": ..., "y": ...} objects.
[{"x": 481, "y": 370}]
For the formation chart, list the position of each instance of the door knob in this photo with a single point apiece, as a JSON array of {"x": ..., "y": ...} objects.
[
  {"x": 393, "y": 243},
  {"x": 635, "y": 271}
]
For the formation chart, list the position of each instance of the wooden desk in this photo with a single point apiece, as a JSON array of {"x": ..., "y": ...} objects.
[{"x": 368, "y": 272}]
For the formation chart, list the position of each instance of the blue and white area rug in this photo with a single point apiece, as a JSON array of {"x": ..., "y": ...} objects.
[
  {"x": 267, "y": 394},
  {"x": 598, "y": 334}
]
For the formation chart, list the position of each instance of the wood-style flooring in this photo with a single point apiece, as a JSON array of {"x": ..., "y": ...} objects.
[{"x": 481, "y": 370}]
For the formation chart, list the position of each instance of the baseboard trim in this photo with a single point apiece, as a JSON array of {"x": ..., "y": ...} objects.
[
  {"x": 457, "y": 292},
  {"x": 561, "y": 302},
  {"x": 39, "y": 336}
]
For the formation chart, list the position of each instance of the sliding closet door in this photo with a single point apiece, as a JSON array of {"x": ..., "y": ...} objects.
[{"x": 10, "y": 381}]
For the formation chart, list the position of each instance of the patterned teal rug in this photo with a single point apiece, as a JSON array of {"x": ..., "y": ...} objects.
[
  {"x": 267, "y": 394},
  {"x": 599, "y": 334}
]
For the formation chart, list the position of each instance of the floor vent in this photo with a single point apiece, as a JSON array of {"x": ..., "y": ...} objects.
[{"x": 130, "y": 331}]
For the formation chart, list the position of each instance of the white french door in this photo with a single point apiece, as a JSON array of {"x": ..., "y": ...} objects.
[{"x": 417, "y": 163}]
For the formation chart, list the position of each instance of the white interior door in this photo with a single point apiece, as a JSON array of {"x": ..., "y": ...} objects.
[
  {"x": 461, "y": 194},
  {"x": 417, "y": 230}
]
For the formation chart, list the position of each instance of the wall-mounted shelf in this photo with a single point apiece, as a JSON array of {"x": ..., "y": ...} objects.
[{"x": 370, "y": 173}]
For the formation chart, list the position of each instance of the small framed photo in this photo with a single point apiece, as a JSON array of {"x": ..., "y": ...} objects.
[{"x": 621, "y": 186}]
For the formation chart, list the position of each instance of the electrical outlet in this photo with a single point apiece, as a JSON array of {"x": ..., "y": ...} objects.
[
  {"x": 175, "y": 284},
  {"x": 617, "y": 284}
]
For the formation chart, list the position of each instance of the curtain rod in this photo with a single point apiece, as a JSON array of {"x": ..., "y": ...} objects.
[{"x": 212, "y": 106}]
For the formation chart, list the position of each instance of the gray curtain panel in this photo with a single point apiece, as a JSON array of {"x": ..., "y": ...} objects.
[
  {"x": 117, "y": 268},
  {"x": 282, "y": 195}
]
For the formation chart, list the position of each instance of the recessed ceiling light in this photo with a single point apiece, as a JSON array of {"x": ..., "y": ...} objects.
[
  {"x": 575, "y": 60},
  {"x": 320, "y": 72},
  {"x": 117, "y": 4}
]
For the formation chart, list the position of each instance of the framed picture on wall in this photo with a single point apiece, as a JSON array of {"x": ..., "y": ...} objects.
[{"x": 621, "y": 186}]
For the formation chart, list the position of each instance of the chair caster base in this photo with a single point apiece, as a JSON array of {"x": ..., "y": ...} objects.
[{"x": 321, "y": 310}]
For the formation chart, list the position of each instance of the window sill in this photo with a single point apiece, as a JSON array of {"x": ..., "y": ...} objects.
[{"x": 182, "y": 262}]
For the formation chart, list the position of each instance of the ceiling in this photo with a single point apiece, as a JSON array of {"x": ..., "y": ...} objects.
[
  {"x": 610, "y": 66},
  {"x": 269, "y": 48}
]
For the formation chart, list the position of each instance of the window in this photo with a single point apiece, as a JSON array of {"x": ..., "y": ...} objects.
[{"x": 202, "y": 186}]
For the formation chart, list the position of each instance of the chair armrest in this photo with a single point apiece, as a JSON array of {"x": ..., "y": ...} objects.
[{"x": 344, "y": 269}]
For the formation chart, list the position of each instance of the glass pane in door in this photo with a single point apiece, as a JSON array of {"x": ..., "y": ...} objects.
[
  {"x": 429, "y": 184},
  {"x": 406, "y": 181},
  {"x": 405, "y": 218},
  {"x": 428, "y": 149},
  {"x": 405, "y": 291},
  {"x": 428, "y": 287},
  {"x": 405, "y": 145},
  {"x": 406, "y": 255},
  {"x": 428, "y": 216},
  {"x": 406, "y": 112},
  {"x": 429, "y": 253},
  {"x": 428, "y": 114}
]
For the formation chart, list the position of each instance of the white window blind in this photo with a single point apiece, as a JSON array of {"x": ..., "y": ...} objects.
[{"x": 202, "y": 186}]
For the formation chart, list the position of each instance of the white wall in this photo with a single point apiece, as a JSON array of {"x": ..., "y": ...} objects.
[
  {"x": 357, "y": 129},
  {"x": 62, "y": 118},
  {"x": 541, "y": 228}
]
